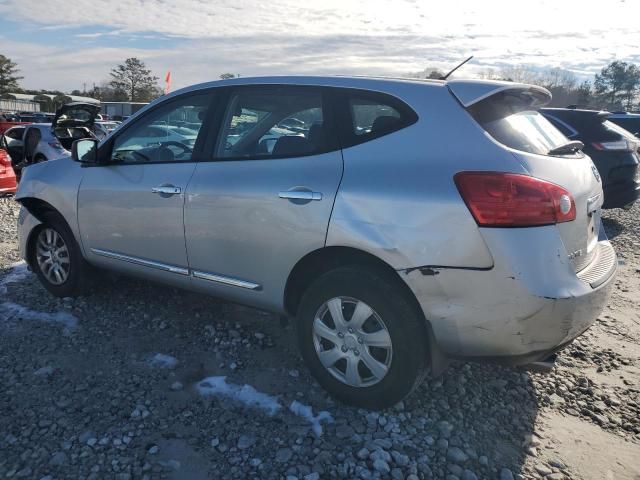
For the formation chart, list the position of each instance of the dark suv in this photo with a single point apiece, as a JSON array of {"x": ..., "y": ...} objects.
[
  {"x": 614, "y": 151},
  {"x": 628, "y": 121}
]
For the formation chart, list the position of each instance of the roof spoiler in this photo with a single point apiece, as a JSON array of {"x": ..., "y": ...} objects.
[{"x": 470, "y": 92}]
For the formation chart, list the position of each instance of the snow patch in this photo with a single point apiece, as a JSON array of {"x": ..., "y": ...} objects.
[
  {"x": 161, "y": 360},
  {"x": 10, "y": 310},
  {"x": 243, "y": 393},
  {"x": 306, "y": 412},
  {"x": 19, "y": 271}
]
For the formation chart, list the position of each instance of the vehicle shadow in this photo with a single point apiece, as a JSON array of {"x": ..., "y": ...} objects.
[{"x": 612, "y": 227}]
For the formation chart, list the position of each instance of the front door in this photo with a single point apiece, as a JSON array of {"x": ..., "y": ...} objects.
[
  {"x": 265, "y": 199},
  {"x": 130, "y": 209}
]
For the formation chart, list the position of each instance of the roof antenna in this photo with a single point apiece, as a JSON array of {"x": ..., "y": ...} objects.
[{"x": 444, "y": 77}]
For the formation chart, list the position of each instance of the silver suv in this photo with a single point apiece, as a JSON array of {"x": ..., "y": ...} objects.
[{"x": 403, "y": 223}]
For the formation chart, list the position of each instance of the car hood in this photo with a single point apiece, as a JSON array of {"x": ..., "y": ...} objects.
[{"x": 76, "y": 114}]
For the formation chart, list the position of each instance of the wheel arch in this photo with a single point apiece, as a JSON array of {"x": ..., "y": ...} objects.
[
  {"x": 320, "y": 261},
  {"x": 39, "y": 209}
]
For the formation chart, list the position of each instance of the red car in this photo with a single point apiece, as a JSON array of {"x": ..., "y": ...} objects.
[{"x": 7, "y": 176}]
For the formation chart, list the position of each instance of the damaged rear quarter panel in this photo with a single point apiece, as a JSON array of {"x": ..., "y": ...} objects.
[
  {"x": 531, "y": 300},
  {"x": 397, "y": 199}
]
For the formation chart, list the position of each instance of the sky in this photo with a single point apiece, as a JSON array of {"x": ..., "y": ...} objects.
[{"x": 65, "y": 45}]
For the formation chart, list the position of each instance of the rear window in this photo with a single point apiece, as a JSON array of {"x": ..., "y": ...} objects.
[
  {"x": 612, "y": 127},
  {"x": 510, "y": 120},
  {"x": 630, "y": 124}
]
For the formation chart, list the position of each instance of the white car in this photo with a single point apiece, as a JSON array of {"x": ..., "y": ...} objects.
[
  {"x": 48, "y": 141},
  {"x": 103, "y": 128}
]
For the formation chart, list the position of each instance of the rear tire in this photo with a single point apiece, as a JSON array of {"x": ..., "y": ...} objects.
[
  {"x": 55, "y": 257},
  {"x": 379, "y": 328}
]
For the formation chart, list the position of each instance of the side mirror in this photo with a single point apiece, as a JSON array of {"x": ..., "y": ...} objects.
[{"x": 85, "y": 150}]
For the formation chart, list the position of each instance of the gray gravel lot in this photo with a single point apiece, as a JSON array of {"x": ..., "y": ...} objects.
[{"x": 82, "y": 396}]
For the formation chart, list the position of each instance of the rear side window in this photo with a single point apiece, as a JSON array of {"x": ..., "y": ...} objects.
[
  {"x": 277, "y": 122},
  {"x": 15, "y": 133},
  {"x": 510, "y": 120},
  {"x": 371, "y": 115}
]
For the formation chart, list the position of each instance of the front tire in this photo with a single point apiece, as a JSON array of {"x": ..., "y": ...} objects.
[
  {"x": 361, "y": 338},
  {"x": 55, "y": 257}
]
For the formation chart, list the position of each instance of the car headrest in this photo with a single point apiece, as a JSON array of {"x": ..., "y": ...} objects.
[
  {"x": 317, "y": 135},
  {"x": 201, "y": 115},
  {"x": 291, "y": 145},
  {"x": 384, "y": 122}
]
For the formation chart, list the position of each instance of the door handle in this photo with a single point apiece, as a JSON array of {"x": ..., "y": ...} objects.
[
  {"x": 300, "y": 195},
  {"x": 166, "y": 190}
]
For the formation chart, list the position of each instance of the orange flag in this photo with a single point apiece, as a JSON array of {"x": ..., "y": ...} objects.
[{"x": 167, "y": 83}]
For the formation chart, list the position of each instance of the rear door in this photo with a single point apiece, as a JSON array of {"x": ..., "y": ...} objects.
[{"x": 263, "y": 201}]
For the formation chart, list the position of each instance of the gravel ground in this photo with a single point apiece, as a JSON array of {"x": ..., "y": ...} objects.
[{"x": 113, "y": 385}]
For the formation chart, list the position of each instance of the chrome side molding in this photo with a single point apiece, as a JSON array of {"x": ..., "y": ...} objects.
[
  {"x": 235, "y": 282},
  {"x": 140, "y": 261},
  {"x": 212, "y": 277}
]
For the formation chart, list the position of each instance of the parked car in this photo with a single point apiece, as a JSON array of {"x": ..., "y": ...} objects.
[
  {"x": 8, "y": 183},
  {"x": 458, "y": 224},
  {"x": 6, "y": 125},
  {"x": 628, "y": 121},
  {"x": 103, "y": 128},
  {"x": 614, "y": 151},
  {"x": 44, "y": 141}
]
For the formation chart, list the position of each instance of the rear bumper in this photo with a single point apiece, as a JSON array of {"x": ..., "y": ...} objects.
[{"x": 525, "y": 308}]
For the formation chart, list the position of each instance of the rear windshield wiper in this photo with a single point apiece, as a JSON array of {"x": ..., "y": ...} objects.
[{"x": 569, "y": 147}]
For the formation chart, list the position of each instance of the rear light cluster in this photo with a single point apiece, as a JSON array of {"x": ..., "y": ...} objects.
[
  {"x": 55, "y": 145},
  {"x": 498, "y": 199},
  {"x": 619, "y": 145}
]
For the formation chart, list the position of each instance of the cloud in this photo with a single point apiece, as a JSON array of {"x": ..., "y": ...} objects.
[{"x": 198, "y": 39}]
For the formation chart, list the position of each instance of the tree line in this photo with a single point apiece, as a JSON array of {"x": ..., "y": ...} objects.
[{"x": 615, "y": 87}]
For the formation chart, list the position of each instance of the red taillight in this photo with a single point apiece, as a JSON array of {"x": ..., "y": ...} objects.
[
  {"x": 511, "y": 200},
  {"x": 624, "y": 145}
]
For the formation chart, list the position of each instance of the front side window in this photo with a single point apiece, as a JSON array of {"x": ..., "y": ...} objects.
[
  {"x": 167, "y": 134},
  {"x": 279, "y": 122}
]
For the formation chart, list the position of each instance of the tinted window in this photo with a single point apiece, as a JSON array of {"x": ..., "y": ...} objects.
[
  {"x": 509, "y": 119},
  {"x": 566, "y": 131},
  {"x": 278, "y": 122},
  {"x": 630, "y": 124},
  {"x": 15, "y": 133},
  {"x": 371, "y": 116},
  {"x": 367, "y": 115},
  {"x": 157, "y": 136}
]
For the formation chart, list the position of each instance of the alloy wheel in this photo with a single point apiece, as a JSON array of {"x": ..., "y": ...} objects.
[{"x": 52, "y": 256}]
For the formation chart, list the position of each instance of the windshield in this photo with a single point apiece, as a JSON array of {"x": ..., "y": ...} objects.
[{"x": 511, "y": 121}]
